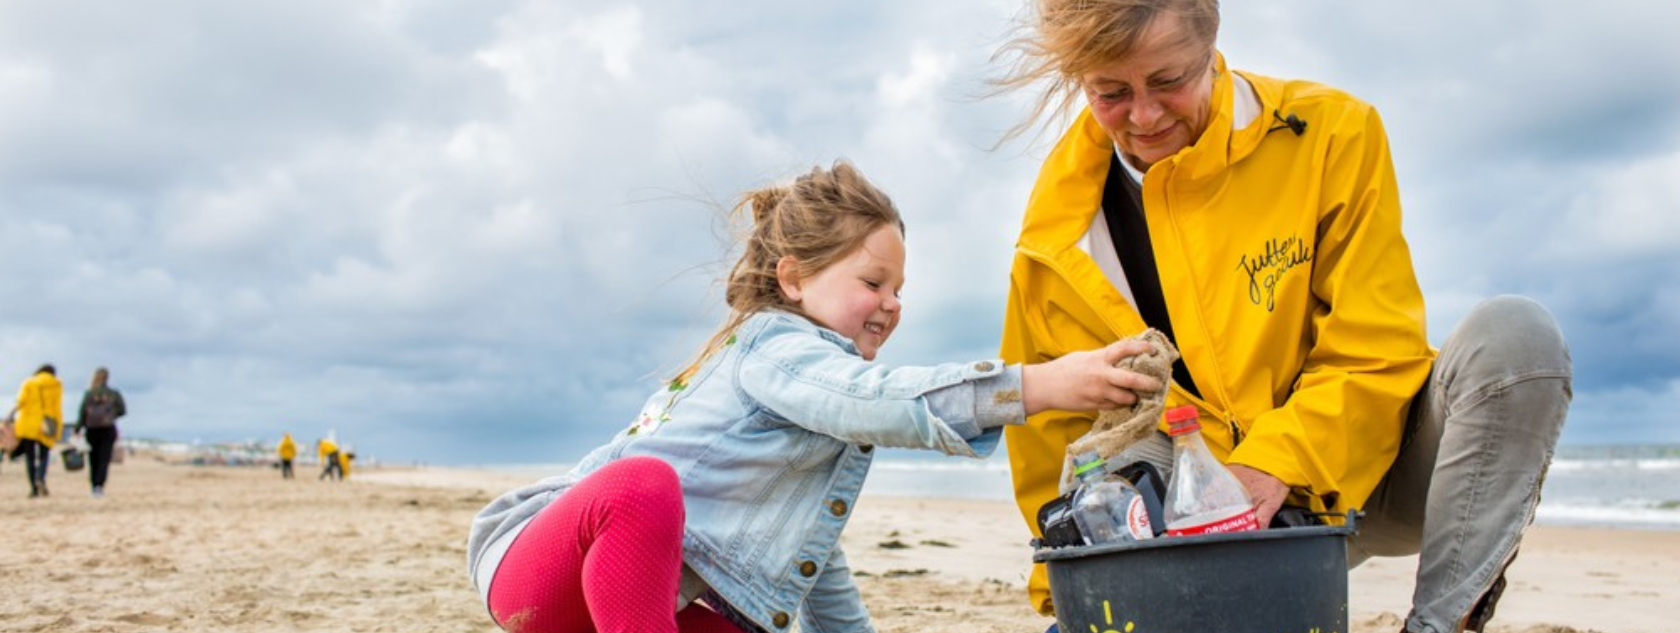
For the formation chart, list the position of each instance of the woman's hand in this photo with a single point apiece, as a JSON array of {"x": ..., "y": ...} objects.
[
  {"x": 1086, "y": 381},
  {"x": 1267, "y": 492}
]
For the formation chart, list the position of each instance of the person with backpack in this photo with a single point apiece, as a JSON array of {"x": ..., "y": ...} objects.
[{"x": 97, "y": 421}]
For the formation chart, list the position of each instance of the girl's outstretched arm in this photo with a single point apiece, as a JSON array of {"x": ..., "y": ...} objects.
[{"x": 955, "y": 408}]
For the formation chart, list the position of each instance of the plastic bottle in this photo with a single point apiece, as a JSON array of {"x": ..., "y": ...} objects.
[
  {"x": 1203, "y": 496},
  {"x": 1107, "y": 510}
]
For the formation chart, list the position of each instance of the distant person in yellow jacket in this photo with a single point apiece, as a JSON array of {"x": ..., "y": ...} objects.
[
  {"x": 288, "y": 452},
  {"x": 39, "y": 422},
  {"x": 330, "y": 466}
]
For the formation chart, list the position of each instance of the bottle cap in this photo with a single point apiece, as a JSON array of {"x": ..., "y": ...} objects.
[
  {"x": 1085, "y": 462},
  {"x": 1181, "y": 420}
]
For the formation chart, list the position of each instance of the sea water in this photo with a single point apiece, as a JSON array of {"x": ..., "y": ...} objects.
[
  {"x": 1613, "y": 486},
  {"x": 1635, "y": 487},
  {"x": 1589, "y": 486}
]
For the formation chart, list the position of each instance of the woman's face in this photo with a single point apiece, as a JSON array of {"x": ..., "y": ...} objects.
[{"x": 1156, "y": 101}]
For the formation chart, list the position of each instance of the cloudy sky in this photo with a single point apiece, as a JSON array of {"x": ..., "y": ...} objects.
[{"x": 468, "y": 232}]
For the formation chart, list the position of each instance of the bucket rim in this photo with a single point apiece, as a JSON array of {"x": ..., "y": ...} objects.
[{"x": 1042, "y": 555}]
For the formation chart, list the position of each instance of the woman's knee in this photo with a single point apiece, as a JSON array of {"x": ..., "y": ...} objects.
[{"x": 1515, "y": 333}]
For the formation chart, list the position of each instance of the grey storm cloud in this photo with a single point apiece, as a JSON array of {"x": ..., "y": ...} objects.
[{"x": 483, "y": 231}]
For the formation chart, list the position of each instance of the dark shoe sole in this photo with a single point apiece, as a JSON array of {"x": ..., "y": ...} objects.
[{"x": 1483, "y": 611}]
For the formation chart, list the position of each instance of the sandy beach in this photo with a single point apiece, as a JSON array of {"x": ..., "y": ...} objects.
[{"x": 188, "y": 548}]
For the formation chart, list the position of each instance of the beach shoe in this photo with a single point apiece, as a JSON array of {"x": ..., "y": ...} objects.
[
  {"x": 1483, "y": 611},
  {"x": 98, "y": 493},
  {"x": 1052, "y": 628}
]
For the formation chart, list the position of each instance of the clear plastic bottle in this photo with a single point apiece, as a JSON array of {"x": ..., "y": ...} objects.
[
  {"x": 1107, "y": 509},
  {"x": 1203, "y": 496}
]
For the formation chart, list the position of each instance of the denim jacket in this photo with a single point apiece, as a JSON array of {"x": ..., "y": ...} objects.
[{"x": 771, "y": 440}]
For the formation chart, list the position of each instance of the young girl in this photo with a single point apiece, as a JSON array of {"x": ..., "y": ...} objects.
[{"x": 720, "y": 508}]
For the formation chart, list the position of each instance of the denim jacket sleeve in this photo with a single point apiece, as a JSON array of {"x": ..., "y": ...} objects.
[
  {"x": 972, "y": 407},
  {"x": 819, "y": 385},
  {"x": 834, "y": 604}
]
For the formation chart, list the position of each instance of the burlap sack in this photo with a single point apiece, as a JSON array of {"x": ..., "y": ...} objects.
[{"x": 1115, "y": 429}]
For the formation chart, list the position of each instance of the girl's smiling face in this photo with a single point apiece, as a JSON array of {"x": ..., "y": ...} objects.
[{"x": 857, "y": 296}]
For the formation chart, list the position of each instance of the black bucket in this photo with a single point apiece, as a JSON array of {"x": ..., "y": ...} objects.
[{"x": 1283, "y": 580}]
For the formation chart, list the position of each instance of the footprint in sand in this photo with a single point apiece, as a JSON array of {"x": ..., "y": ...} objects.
[{"x": 144, "y": 619}]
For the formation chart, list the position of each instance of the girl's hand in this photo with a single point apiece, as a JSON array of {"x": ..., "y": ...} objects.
[{"x": 1085, "y": 381}]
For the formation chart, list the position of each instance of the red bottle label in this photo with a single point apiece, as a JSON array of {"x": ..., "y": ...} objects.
[
  {"x": 1240, "y": 522},
  {"x": 1137, "y": 519}
]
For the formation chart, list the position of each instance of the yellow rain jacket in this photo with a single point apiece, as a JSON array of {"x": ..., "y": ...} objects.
[
  {"x": 1289, "y": 285},
  {"x": 288, "y": 448},
  {"x": 42, "y": 395}
]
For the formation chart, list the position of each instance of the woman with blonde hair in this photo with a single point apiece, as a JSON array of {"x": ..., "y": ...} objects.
[
  {"x": 1256, "y": 222},
  {"x": 97, "y": 421}
]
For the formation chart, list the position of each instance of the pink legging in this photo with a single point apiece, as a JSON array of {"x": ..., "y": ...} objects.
[{"x": 605, "y": 557}]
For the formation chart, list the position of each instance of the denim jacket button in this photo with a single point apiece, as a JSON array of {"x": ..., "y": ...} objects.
[
  {"x": 780, "y": 619},
  {"x": 807, "y": 569},
  {"x": 984, "y": 365},
  {"x": 866, "y": 448},
  {"x": 838, "y": 507}
]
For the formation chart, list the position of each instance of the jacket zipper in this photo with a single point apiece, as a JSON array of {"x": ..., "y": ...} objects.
[{"x": 1230, "y": 422}]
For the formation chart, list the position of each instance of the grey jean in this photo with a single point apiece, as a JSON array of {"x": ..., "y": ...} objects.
[{"x": 1483, "y": 427}]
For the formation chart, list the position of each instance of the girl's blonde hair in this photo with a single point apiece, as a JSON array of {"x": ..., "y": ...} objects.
[
  {"x": 818, "y": 219},
  {"x": 1056, "y": 41},
  {"x": 100, "y": 376}
]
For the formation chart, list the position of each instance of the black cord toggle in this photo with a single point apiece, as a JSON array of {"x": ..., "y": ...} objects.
[{"x": 1294, "y": 123}]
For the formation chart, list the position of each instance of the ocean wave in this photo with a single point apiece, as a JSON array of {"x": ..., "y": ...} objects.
[
  {"x": 1642, "y": 514},
  {"x": 1663, "y": 464}
]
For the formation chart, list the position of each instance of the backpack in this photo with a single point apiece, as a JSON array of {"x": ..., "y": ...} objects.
[{"x": 101, "y": 410}]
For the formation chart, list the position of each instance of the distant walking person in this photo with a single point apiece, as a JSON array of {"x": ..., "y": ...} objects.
[
  {"x": 288, "y": 452},
  {"x": 330, "y": 466},
  {"x": 38, "y": 419},
  {"x": 97, "y": 419}
]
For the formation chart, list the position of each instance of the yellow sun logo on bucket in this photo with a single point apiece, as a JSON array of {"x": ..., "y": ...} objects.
[{"x": 1108, "y": 618}]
